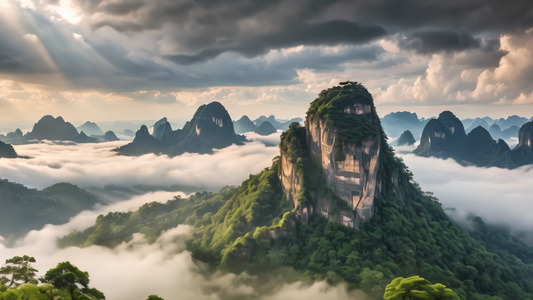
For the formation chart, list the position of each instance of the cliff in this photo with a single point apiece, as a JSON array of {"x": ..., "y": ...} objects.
[{"x": 343, "y": 136}]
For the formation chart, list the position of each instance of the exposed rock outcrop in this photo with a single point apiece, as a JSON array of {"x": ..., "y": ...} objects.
[
  {"x": 443, "y": 137},
  {"x": 344, "y": 139}
]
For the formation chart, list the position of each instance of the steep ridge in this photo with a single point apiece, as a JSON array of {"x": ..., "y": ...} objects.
[
  {"x": 210, "y": 128},
  {"x": 334, "y": 175}
]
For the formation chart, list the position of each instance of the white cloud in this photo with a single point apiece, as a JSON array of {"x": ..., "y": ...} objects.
[
  {"x": 499, "y": 196},
  {"x": 94, "y": 165}
]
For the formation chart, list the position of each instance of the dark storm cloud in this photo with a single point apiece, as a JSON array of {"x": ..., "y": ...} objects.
[
  {"x": 201, "y": 30},
  {"x": 194, "y": 31},
  {"x": 328, "y": 33},
  {"x": 433, "y": 41},
  {"x": 474, "y": 16}
]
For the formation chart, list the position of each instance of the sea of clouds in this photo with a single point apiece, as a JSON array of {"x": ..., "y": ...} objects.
[{"x": 137, "y": 269}]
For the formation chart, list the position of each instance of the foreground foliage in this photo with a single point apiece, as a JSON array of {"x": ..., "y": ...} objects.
[
  {"x": 65, "y": 281},
  {"x": 417, "y": 288}
]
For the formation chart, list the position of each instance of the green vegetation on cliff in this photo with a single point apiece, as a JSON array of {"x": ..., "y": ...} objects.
[
  {"x": 351, "y": 128},
  {"x": 254, "y": 228}
]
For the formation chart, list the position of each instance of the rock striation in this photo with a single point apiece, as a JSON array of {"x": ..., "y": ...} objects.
[
  {"x": 210, "y": 128},
  {"x": 344, "y": 139}
]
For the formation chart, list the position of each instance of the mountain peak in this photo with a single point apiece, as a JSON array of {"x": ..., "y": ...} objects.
[
  {"x": 343, "y": 136},
  {"x": 210, "y": 128}
]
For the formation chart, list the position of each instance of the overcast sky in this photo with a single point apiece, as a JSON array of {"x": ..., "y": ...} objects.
[{"x": 144, "y": 59}]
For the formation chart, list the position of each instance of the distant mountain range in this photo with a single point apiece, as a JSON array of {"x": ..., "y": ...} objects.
[
  {"x": 396, "y": 123},
  {"x": 210, "y": 128},
  {"x": 25, "y": 209},
  {"x": 90, "y": 128},
  {"x": 244, "y": 124},
  {"x": 50, "y": 128},
  {"x": 445, "y": 137}
]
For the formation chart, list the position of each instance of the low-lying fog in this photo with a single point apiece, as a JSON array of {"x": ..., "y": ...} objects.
[{"x": 95, "y": 165}]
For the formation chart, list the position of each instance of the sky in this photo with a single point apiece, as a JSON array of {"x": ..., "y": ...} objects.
[{"x": 106, "y": 60}]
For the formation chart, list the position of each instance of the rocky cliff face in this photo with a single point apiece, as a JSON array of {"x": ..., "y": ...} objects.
[
  {"x": 523, "y": 153},
  {"x": 343, "y": 137},
  {"x": 351, "y": 177},
  {"x": 443, "y": 137}
]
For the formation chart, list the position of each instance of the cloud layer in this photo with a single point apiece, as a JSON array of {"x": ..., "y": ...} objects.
[
  {"x": 95, "y": 165},
  {"x": 499, "y": 196}
]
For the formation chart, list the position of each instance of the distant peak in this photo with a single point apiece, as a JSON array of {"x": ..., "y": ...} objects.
[
  {"x": 143, "y": 130},
  {"x": 446, "y": 115}
]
